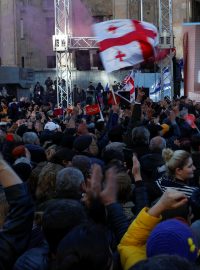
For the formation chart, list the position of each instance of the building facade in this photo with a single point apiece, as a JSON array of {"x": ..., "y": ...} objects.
[{"x": 27, "y": 26}]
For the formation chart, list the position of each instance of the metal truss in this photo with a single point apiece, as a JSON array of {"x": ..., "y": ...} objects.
[
  {"x": 82, "y": 43},
  {"x": 166, "y": 41},
  {"x": 60, "y": 46},
  {"x": 63, "y": 44}
]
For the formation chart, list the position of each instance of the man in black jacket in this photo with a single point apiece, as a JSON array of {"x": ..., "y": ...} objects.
[{"x": 152, "y": 163}]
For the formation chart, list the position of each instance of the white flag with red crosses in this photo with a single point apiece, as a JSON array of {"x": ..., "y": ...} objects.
[{"x": 124, "y": 43}]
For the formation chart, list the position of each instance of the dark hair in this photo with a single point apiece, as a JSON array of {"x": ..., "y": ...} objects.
[
  {"x": 164, "y": 262},
  {"x": 85, "y": 247},
  {"x": 111, "y": 154},
  {"x": 63, "y": 154},
  {"x": 182, "y": 212},
  {"x": 59, "y": 218}
]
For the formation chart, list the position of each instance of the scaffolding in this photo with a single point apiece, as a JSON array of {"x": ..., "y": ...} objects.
[
  {"x": 166, "y": 42},
  {"x": 64, "y": 43}
]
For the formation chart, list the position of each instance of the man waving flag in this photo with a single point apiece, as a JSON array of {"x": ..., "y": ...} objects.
[{"x": 124, "y": 43}]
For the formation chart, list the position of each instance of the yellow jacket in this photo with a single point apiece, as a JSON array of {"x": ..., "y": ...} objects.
[{"x": 132, "y": 247}]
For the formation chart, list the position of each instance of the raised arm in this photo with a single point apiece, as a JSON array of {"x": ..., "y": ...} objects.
[
  {"x": 132, "y": 247},
  {"x": 17, "y": 228}
]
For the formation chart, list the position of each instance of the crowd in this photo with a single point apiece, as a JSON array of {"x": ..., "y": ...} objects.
[{"x": 88, "y": 192}]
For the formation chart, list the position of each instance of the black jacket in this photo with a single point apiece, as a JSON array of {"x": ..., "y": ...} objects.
[
  {"x": 149, "y": 166},
  {"x": 17, "y": 227}
]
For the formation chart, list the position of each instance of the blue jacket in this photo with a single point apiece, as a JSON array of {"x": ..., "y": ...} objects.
[{"x": 34, "y": 259}]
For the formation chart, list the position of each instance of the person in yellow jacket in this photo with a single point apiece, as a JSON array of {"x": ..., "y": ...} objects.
[{"x": 145, "y": 239}]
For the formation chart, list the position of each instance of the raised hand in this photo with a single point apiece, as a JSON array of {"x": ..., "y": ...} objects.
[
  {"x": 109, "y": 194},
  {"x": 136, "y": 168},
  {"x": 171, "y": 199},
  {"x": 93, "y": 187}
]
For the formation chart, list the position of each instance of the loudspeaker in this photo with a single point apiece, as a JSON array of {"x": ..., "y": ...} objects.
[{"x": 82, "y": 60}]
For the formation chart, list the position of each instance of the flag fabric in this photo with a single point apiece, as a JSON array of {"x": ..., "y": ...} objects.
[
  {"x": 124, "y": 43},
  {"x": 92, "y": 109},
  {"x": 107, "y": 88},
  {"x": 129, "y": 85},
  {"x": 190, "y": 119},
  {"x": 111, "y": 99},
  {"x": 166, "y": 82},
  {"x": 58, "y": 112}
]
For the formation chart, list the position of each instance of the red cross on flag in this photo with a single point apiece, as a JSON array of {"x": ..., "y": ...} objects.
[{"x": 124, "y": 43}]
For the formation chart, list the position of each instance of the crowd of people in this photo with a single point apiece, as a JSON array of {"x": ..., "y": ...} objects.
[{"x": 116, "y": 191}]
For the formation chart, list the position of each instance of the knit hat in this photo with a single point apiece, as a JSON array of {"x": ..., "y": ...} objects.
[
  {"x": 172, "y": 237},
  {"x": 81, "y": 143},
  {"x": 18, "y": 151},
  {"x": 51, "y": 126},
  {"x": 23, "y": 170}
]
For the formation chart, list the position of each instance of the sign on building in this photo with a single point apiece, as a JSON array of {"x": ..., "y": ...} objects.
[{"x": 60, "y": 43}]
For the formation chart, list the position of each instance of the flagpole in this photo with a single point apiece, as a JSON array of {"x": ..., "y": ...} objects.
[
  {"x": 114, "y": 98},
  {"x": 112, "y": 91},
  {"x": 123, "y": 97},
  {"x": 101, "y": 115},
  {"x": 141, "y": 10}
]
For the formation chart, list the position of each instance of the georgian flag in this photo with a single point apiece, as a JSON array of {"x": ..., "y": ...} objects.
[
  {"x": 124, "y": 43},
  {"x": 129, "y": 85}
]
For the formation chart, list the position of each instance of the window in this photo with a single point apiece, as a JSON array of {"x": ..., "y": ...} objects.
[
  {"x": 82, "y": 60},
  {"x": 97, "y": 61},
  {"x": 22, "y": 63},
  {"x": 51, "y": 61},
  {"x": 48, "y": 4},
  {"x": 98, "y": 19},
  {"x": 21, "y": 28},
  {"x": 101, "y": 18},
  {"x": 50, "y": 26}
]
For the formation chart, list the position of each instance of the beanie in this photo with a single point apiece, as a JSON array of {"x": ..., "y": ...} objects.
[
  {"x": 172, "y": 237},
  {"x": 18, "y": 151}
]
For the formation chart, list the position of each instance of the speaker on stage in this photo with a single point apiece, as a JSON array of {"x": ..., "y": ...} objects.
[{"x": 82, "y": 60}]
